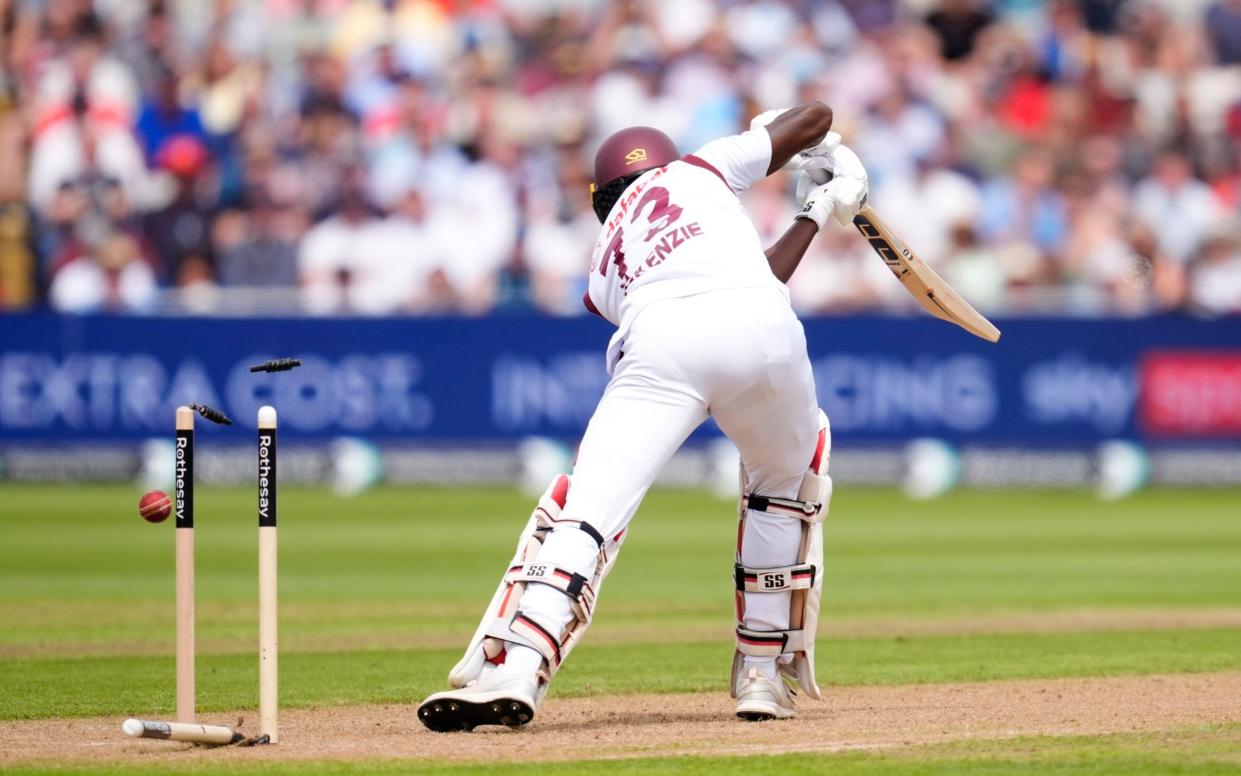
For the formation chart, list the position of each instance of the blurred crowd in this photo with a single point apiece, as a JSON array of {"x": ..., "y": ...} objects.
[{"x": 432, "y": 156}]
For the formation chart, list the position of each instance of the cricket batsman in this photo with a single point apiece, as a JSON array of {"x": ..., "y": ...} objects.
[{"x": 704, "y": 328}]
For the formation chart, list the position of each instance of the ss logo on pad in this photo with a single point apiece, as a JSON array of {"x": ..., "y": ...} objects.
[{"x": 773, "y": 581}]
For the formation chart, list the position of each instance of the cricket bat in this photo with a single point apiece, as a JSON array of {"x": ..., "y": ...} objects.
[{"x": 922, "y": 282}]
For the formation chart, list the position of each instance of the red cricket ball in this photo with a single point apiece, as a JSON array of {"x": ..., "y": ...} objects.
[{"x": 155, "y": 507}]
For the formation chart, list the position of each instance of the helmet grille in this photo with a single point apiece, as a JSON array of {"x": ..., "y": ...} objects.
[{"x": 606, "y": 196}]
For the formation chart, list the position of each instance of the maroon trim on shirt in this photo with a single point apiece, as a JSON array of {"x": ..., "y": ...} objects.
[
  {"x": 698, "y": 161},
  {"x": 590, "y": 305}
]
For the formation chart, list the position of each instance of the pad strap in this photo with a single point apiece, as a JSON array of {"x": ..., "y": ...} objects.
[
  {"x": 538, "y": 637},
  {"x": 775, "y": 580},
  {"x": 555, "y": 522},
  {"x": 573, "y": 585},
  {"x": 810, "y": 511},
  {"x": 769, "y": 643}
]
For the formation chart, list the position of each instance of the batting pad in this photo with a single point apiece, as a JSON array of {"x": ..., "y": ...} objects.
[
  {"x": 504, "y": 622},
  {"x": 794, "y": 647}
]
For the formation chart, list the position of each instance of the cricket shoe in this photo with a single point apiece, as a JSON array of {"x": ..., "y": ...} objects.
[
  {"x": 502, "y": 699},
  {"x": 761, "y": 697}
]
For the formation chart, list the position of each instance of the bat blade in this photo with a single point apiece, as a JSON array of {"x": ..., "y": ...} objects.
[{"x": 923, "y": 283}]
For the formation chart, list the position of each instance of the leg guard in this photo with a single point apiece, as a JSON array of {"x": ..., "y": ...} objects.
[
  {"x": 504, "y": 621},
  {"x": 794, "y": 648}
]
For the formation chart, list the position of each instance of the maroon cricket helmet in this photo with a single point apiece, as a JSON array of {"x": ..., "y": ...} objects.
[{"x": 622, "y": 157}]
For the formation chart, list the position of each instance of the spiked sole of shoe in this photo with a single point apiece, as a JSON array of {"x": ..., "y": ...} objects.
[{"x": 447, "y": 714}]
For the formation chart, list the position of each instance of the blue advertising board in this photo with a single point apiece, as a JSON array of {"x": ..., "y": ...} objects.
[{"x": 881, "y": 379}]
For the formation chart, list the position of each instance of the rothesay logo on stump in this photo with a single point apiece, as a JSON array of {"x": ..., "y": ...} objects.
[{"x": 267, "y": 477}]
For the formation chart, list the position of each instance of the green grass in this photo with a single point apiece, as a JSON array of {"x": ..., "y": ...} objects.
[
  {"x": 41, "y": 688},
  {"x": 77, "y": 566},
  {"x": 379, "y": 593}
]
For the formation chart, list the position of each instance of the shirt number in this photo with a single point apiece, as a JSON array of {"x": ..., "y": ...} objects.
[{"x": 662, "y": 215}]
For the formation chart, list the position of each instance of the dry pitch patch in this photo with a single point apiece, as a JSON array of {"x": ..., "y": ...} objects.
[{"x": 850, "y": 718}]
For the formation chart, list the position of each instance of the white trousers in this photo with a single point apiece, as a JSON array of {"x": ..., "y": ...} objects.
[{"x": 738, "y": 356}]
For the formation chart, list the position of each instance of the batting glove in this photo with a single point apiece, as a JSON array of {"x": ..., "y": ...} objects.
[
  {"x": 849, "y": 195},
  {"x": 844, "y": 180},
  {"x": 843, "y": 163},
  {"x": 817, "y": 202}
]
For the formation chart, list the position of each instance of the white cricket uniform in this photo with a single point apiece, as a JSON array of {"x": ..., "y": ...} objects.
[{"x": 703, "y": 328}]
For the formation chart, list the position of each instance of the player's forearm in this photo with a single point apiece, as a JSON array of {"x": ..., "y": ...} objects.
[
  {"x": 796, "y": 130},
  {"x": 786, "y": 254}
]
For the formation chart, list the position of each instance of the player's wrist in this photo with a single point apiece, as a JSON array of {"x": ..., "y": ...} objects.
[{"x": 807, "y": 217}]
